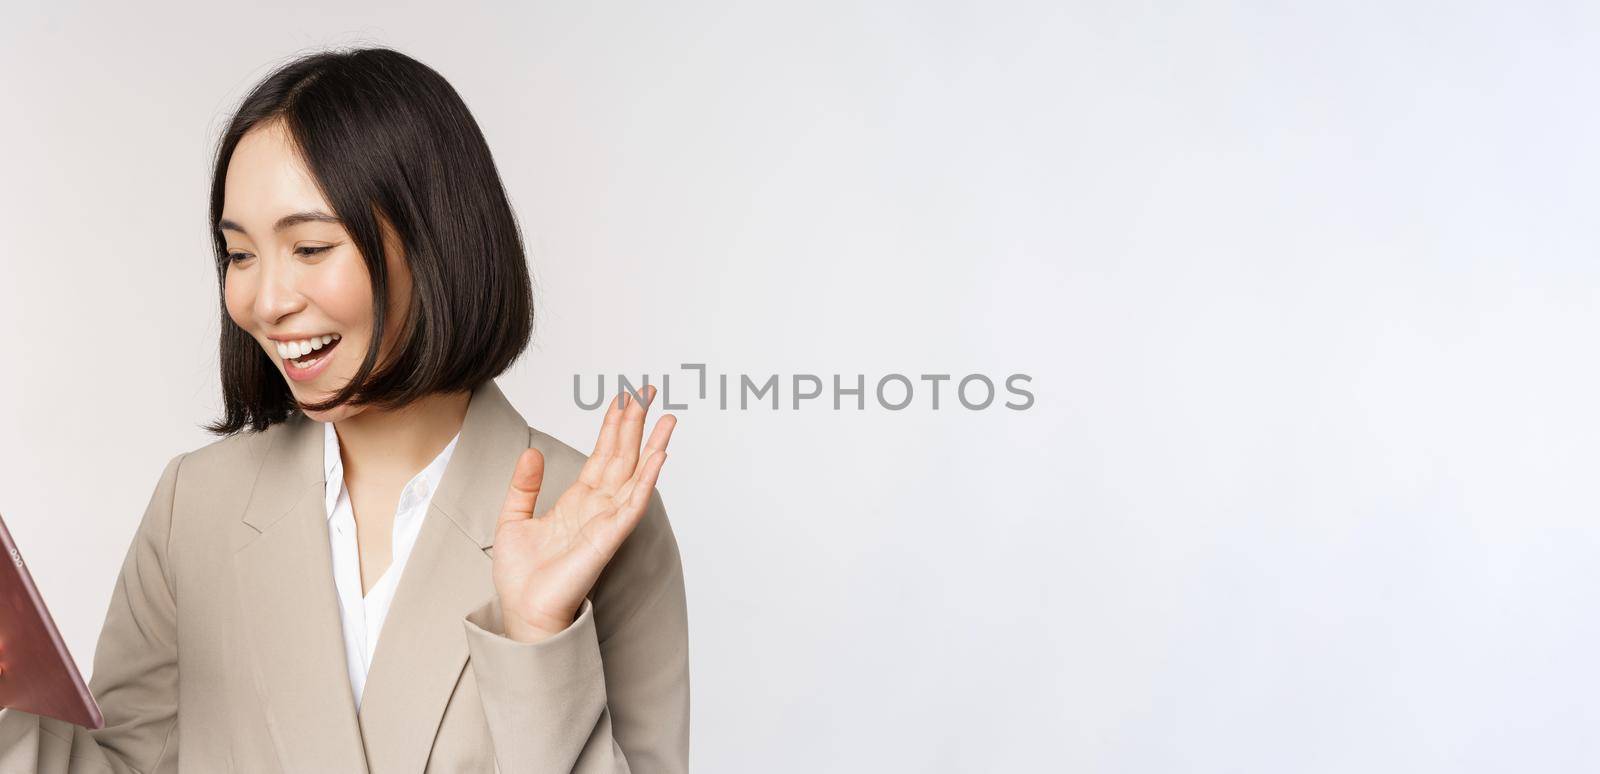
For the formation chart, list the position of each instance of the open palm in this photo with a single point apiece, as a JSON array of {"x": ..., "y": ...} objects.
[{"x": 545, "y": 566}]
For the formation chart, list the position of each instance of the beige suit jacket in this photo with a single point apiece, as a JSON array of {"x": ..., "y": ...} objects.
[{"x": 222, "y": 649}]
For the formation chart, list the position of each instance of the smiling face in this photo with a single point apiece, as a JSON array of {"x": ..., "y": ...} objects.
[{"x": 295, "y": 277}]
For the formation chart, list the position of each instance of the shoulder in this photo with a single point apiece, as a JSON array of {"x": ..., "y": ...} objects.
[
  {"x": 224, "y": 465},
  {"x": 231, "y": 452},
  {"x": 203, "y": 480}
]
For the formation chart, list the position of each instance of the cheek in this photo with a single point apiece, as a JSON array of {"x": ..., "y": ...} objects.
[
  {"x": 343, "y": 294},
  {"x": 237, "y": 295}
]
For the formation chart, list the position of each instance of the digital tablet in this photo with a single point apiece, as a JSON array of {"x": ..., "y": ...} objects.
[{"x": 37, "y": 674}]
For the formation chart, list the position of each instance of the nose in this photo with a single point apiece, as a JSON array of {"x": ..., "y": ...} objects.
[{"x": 278, "y": 295}]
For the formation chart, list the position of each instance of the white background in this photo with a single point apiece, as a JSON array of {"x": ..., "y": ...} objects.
[{"x": 1308, "y": 296}]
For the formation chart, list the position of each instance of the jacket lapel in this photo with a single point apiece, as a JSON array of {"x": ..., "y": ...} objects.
[
  {"x": 422, "y": 648},
  {"x": 290, "y": 603},
  {"x": 290, "y": 609}
]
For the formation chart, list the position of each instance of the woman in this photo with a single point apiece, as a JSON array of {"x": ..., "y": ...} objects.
[{"x": 374, "y": 479}]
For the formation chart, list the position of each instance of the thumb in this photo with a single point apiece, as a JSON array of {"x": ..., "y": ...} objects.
[{"x": 524, "y": 489}]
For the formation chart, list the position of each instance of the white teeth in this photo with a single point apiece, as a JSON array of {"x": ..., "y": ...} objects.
[{"x": 289, "y": 350}]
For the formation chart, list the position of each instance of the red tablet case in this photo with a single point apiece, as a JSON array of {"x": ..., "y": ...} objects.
[{"x": 37, "y": 673}]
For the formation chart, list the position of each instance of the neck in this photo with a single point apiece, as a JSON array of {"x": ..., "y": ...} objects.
[{"x": 395, "y": 444}]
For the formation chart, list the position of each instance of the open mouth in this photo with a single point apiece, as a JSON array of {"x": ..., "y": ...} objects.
[{"x": 310, "y": 359}]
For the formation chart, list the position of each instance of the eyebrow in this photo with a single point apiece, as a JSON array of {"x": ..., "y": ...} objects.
[{"x": 295, "y": 219}]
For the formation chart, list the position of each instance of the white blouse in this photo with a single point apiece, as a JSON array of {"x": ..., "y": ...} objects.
[{"x": 363, "y": 616}]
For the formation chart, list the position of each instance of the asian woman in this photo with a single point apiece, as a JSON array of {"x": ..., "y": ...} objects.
[{"x": 381, "y": 567}]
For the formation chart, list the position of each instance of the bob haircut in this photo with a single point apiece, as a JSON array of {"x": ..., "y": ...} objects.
[{"x": 391, "y": 145}]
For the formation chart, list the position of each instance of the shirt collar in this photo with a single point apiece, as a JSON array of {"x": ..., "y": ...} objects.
[{"x": 333, "y": 465}]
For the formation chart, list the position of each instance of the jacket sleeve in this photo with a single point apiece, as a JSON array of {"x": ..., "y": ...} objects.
[
  {"x": 610, "y": 693},
  {"x": 135, "y": 675}
]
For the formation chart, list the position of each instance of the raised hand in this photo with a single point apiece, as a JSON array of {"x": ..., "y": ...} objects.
[{"x": 545, "y": 566}]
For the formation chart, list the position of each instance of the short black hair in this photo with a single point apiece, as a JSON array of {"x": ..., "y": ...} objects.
[{"x": 391, "y": 145}]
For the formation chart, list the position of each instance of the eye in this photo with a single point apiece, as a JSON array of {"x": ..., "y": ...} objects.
[{"x": 304, "y": 251}]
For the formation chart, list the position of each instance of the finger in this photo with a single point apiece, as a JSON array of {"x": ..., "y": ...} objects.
[
  {"x": 626, "y": 456},
  {"x": 659, "y": 437},
  {"x": 594, "y": 467},
  {"x": 615, "y": 525},
  {"x": 639, "y": 497},
  {"x": 523, "y": 493},
  {"x": 602, "y": 535},
  {"x": 637, "y": 492}
]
